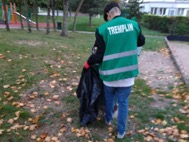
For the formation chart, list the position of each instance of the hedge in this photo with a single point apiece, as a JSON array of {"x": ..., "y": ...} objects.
[{"x": 177, "y": 25}]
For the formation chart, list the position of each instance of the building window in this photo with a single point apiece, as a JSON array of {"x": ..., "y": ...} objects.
[
  {"x": 155, "y": 11},
  {"x": 162, "y": 11},
  {"x": 180, "y": 11},
  {"x": 152, "y": 9},
  {"x": 187, "y": 14},
  {"x": 171, "y": 12}
]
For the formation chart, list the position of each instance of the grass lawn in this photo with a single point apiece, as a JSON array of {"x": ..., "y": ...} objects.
[
  {"x": 38, "y": 78},
  {"x": 83, "y": 24}
]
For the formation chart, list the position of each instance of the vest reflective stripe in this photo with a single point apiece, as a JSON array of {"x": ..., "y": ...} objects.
[
  {"x": 118, "y": 70},
  {"x": 119, "y": 55}
]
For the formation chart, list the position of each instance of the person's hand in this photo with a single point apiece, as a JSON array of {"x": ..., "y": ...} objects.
[{"x": 86, "y": 65}]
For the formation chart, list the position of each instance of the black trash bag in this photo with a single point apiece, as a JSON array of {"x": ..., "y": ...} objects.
[{"x": 89, "y": 92}]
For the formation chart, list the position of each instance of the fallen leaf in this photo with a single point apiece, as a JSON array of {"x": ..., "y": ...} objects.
[
  {"x": 54, "y": 138},
  {"x": 69, "y": 119},
  {"x": 32, "y": 127},
  {"x": 60, "y": 134},
  {"x": 10, "y": 121},
  {"x": 45, "y": 107},
  {"x": 43, "y": 136},
  {"x": 110, "y": 140},
  {"x": 55, "y": 97},
  {"x": 69, "y": 88},
  {"x": 18, "y": 113},
  {"x": 46, "y": 93},
  {"x": 33, "y": 110},
  {"x": 48, "y": 139},
  {"x": 6, "y": 86},
  {"x": 1, "y": 131},
  {"x": 110, "y": 129},
  {"x": 184, "y": 136},
  {"x": 1, "y": 122},
  {"x": 33, "y": 137},
  {"x": 2, "y": 56}
]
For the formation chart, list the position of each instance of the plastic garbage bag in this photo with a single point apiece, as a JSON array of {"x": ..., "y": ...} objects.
[{"x": 89, "y": 92}]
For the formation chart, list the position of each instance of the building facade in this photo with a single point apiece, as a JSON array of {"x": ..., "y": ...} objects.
[{"x": 166, "y": 7}]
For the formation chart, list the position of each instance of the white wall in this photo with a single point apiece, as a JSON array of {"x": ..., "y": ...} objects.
[{"x": 171, "y": 6}]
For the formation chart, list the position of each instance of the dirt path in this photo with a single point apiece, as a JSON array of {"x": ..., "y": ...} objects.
[{"x": 158, "y": 69}]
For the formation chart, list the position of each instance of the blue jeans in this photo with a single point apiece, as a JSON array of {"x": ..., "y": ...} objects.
[{"x": 122, "y": 94}]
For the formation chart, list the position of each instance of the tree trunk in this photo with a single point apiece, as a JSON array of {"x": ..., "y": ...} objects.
[
  {"x": 65, "y": 18},
  {"x": 27, "y": 16},
  {"x": 21, "y": 22},
  {"x": 36, "y": 14},
  {"x": 76, "y": 13},
  {"x": 90, "y": 20},
  {"x": 53, "y": 14},
  {"x": 6, "y": 16},
  {"x": 48, "y": 16},
  {"x": 57, "y": 12}
]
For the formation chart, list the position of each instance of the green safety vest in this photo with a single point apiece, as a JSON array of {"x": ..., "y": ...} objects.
[{"x": 120, "y": 59}]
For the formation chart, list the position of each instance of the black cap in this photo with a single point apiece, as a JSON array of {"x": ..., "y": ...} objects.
[{"x": 108, "y": 7}]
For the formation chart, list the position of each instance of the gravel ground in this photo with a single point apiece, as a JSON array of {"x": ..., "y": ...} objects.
[{"x": 158, "y": 69}]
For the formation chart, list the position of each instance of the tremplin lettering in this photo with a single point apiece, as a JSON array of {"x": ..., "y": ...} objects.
[{"x": 120, "y": 28}]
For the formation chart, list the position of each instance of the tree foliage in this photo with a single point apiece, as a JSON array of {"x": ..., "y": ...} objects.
[
  {"x": 93, "y": 7},
  {"x": 133, "y": 9}
]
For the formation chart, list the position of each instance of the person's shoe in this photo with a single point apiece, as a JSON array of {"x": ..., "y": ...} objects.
[
  {"x": 108, "y": 123},
  {"x": 115, "y": 114},
  {"x": 119, "y": 136}
]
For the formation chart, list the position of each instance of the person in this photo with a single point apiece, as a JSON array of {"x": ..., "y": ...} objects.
[{"x": 115, "y": 50}]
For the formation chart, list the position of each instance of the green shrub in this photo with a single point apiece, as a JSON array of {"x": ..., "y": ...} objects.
[{"x": 173, "y": 25}]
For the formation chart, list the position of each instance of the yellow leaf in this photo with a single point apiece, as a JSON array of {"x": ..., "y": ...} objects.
[
  {"x": 60, "y": 134},
  {"x": 32, "y": 127},
  {"x": 38, "y": 140},
  {"x": 23, "y": 70},
  {"x": 48, "y": 139},
  {"x": 46, "y": 93},
  {"x": 55, "y": 97},
  {"x": 184, "y": 136},
  {"x": 45, "y": 107},
  {"x": 20, "y": 105},
  {"x": 78, "y": 135},
  {"x": 54, "y": 138},
  {"x": 26, "y": 127},
  {"x": 1, "y": 122},
  {"x": 36, "y": 119},
  {"x": 64, "y": 130},
  {"x": 110, "y": 129},
  {"x": 164, "y": 122},
  {"x": 33, "y": 137},
  {"x": 69, "y": 88},
  {"x": 110, "y": 140},
  {"x": 6, "y": 86},
  {"x": 69, "y": 119},
  {"x": 75, "y": 83},
  {"x": 33, "y": 110},
  {"x": 17, "y": 113},
  {"x": 148, "y": 138},
  {"x": 132, "y": 116},
  {"x": 10, "y": 121},
  {"x": 1, "y": 131}
]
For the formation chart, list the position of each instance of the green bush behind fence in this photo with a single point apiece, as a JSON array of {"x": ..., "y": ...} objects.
[{"x": 178, "y": 25}]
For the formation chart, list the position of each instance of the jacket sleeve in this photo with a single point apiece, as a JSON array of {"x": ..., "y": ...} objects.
[
  {"x": 141, "y": 38},
  {"x": 97, "y": 51}
]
